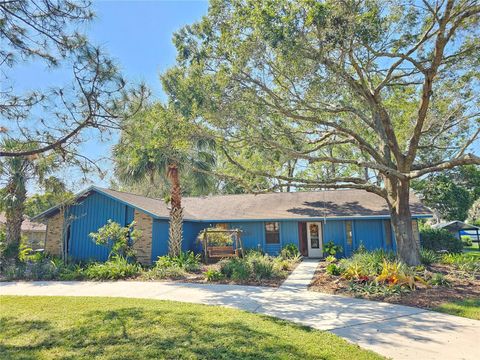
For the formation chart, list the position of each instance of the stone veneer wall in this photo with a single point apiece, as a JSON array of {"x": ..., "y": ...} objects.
[
  {"x": 35, "y": 239},
  {"x": 53, "y": 239},
  {"x": 143, "y": 245}
]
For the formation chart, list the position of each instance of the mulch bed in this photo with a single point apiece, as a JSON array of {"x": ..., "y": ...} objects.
[{"x": 426, "y": 298}]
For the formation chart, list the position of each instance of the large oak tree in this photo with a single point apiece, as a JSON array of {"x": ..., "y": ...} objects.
[{"x": 378, "y": 92}]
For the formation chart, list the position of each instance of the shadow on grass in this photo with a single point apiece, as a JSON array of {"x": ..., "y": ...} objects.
[{"x": 137, "y": 333}]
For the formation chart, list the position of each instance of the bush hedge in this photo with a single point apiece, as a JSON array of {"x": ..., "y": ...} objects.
[{"x": 440, "y": 240}]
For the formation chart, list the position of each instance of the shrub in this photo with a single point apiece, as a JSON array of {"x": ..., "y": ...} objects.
[
  {"x": 213, "y": 275},
  {"x": 162, "y": 272},
  {"x": 282, "y": 264},
  {"x": 361, "y": 249},
  {"x": 376, "y": 289},
  {"x": 331, "y": 259},
  {"x": 466, "y": 240},
  {"x": 236, "y": 269},
  {"x": 332, "y": 249},
  {"x": 117, "y": 238},
  {"x": 114, "y": 269},
  {"x": 440, "y": 240},
  {"x": 262, "y": 267},
  {"x": 256, "y": 266},
  {"x": 377, "y": 271},
  {"x": 216, "y": 237},
  {"x": 428, "y": 257},
  {"x": 397, "y": 273},
  {"x": 463, "y": 262},
  {"x": 439, "y": 279},
  {"x": 71, "y": 272},
  {"x": 333, "y": 269},
  {"x": 365, "y": 263},
  {"x": 187, "y": 261},
  {"x": 290, "y": 251}
]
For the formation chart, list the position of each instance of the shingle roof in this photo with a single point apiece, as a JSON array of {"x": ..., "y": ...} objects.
[
  {"x": 153, "y": 206},
  {"x": 293, "y": 205},
  {"x": 27, "y": 224},
  {"x": 455, "y": 225},
  {"x": 271, "y": 206}
]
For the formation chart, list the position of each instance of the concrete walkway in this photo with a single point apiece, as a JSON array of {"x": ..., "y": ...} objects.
[
  {"x": 398, "y": 332},
  {"x": 302, "y": 276}
]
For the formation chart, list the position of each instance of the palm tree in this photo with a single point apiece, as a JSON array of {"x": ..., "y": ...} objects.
[
  {"x": 160, "y": 142},
  {"x": 17, "y": 171}
]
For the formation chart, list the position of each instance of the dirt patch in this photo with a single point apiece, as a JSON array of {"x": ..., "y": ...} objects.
[{"x": 460, "y": 288}]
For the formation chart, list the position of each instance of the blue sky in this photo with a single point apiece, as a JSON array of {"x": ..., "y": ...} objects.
[{"x": 138, "y": 35}]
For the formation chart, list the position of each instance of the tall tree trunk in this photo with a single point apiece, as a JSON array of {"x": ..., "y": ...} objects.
[
  {"x": 16, "y": 193},
  {"x": 176, "y": 212},
  {"x": 408, "y": 250}
]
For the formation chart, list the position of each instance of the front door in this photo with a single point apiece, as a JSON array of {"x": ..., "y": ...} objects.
[{"x": 314, "y": 236}]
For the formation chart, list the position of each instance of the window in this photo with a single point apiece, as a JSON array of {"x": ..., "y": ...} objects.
[
  {"x": 223, "y": 226},
  {"x": 314, "y": 236},
  {"x": 388, "y": 232},
  {"x": 349, "y": 232},
  {"x": 272, "y": 233}
]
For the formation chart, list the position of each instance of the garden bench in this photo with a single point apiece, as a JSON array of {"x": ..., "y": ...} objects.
[{"x": 220, "y": 251}]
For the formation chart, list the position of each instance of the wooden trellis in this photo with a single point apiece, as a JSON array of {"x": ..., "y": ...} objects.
[{"x": 219, "y": 252}]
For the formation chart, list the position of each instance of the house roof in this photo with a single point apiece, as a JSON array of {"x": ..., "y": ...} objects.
[
  {"x": 270, "y": 206},
  {"x": 455, "y": 225},
  {"x": 27, "y": 224}
]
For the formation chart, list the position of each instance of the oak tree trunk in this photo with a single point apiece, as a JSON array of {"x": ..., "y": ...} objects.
[
  {"x": 176, "y": 212},
  {"x": 408, "y": 250}
]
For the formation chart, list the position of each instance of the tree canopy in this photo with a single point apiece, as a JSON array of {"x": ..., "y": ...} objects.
[
  {"x": 377, "y": 92},
  {"x": 451, "y": 193}
]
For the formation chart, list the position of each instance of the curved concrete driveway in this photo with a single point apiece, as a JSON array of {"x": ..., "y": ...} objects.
[{"x": 395, "y": 331}]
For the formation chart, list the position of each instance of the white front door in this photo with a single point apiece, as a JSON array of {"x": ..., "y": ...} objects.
[{"x": 314, "y": 236}]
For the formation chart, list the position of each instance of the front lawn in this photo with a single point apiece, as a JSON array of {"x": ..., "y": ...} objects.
[
  {"x": 469, "y": 308},
  {"x": 117, "y": 328}
]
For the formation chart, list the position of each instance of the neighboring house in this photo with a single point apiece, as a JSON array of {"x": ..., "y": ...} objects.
[
  {"x": 34, "y": 232},
  {"x": 268, "y": 221},
  {"x": 459, "y": 228}
]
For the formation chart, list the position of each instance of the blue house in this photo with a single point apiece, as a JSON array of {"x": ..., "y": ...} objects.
[{"x": 268, "y": 221}]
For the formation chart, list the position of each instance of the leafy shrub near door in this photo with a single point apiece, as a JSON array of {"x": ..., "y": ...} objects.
[
  {"x": 331, "y": 248},
  {"x": 290, "y": 251}
]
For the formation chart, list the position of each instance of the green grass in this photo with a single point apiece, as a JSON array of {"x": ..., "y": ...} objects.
[
  {"x": 472, "y": 250},
  {"x": 117, "y": 328},
  {"x": 469, "y": 308}
]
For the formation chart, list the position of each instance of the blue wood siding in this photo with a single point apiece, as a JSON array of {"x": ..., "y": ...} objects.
[
  {"x": 190, "y": 234},
  {"x": 253, "y": 234},
  {"x": 369, "y": 233},
  {"x": 289, "y": 232},
  {"x": 96, "y": 209},
  {"x": 334, "y": 230},
  {"x": 88, "y": 216},
  {"x": 160, "y": 237}
]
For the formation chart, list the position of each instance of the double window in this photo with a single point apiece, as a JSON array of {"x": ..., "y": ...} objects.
[{"x": 272, "y": 233}]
